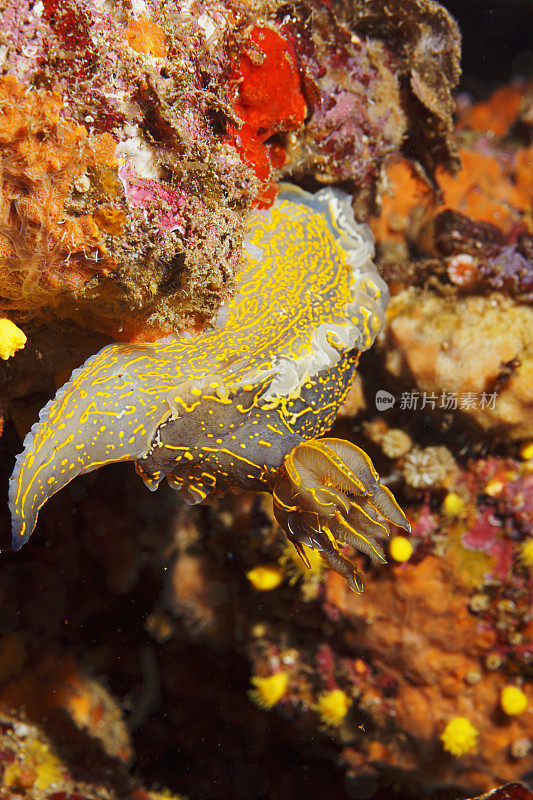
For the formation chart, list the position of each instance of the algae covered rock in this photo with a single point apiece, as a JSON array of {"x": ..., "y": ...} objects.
[{"x": 460, "y": 351}]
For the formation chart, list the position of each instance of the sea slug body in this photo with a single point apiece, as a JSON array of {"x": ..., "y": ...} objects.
[{"x": 240, "y": 405}]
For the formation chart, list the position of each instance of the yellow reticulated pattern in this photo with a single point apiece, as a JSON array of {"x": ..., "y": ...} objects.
[{"x": 308, "y": 295}]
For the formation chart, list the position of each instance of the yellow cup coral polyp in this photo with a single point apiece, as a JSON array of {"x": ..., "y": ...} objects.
[
  {"x": 526, "y": 451},
  {"x": 400, "y": 548},
  {"x": 332, "y": 707},
  {"x": 513, "y": 700},
  {"x": 265, "y": 577},
  {"x": 295, "y": 567},
  {"x": 459, "y": 737},
  {"x": 453, "y": 505},
  {"x": 268, "y": 691},
  {"x": 526, "y": 553}
]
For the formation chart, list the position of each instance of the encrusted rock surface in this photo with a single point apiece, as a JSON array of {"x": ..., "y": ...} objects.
[
  {"x": 459, "y": 351},
  {"x": 133, "y": 142}
]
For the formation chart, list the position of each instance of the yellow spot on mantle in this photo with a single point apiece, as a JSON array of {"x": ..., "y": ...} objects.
[{"x": 11, "y": 339}]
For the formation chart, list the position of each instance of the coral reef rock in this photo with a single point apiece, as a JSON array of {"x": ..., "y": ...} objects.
[
  {"x": 459, "y": 352},
  {"x": 135, "y": 139}
]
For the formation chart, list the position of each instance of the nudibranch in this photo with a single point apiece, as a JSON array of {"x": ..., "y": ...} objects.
[{"x": 240, "y": 406}]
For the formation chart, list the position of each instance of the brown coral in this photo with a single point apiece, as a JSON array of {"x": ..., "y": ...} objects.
[
  {"x": 484, "y": 190},
  {"x": 489, "y": 197}
]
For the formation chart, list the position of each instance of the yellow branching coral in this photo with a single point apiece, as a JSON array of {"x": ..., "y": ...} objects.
[
  {"x": 164, "y": 794},
  {"x": 265, "y": 577},
  {"x": 268, "y": 691},
  {"x": 41, "y": 760},
  {"x": 11, "y": 339},
  {"x": 332, "y": 707},
  {"x": 513, "y": 700},
  {"x": 459, "y": 737}
]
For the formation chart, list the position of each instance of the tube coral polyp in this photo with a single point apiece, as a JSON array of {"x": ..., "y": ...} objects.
[
  {"x": 526, "y": 553},
  {"x": 332, "y": 707},
  {"x": 513, "y": 700},
  {"x": 265, "y": 577},
  {"x": 459, "y": 737},
  {"x": 269, "y": 100},
  {"x": 268, "y": 691}
]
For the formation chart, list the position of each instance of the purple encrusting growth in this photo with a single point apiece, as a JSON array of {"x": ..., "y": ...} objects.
[
  {"x": 353, "y": 139},
  {"x": 356, "y": 120},
  {"x": 517, "y": 502},
  {"x": 509, "y": 270},
  {"x": 24, "y": 33}
]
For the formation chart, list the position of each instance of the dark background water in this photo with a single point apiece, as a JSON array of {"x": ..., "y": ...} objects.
[{"x": 497, "y": 41}]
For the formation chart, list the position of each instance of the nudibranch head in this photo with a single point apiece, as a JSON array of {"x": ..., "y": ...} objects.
[{"x": 226, "y": 407}]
